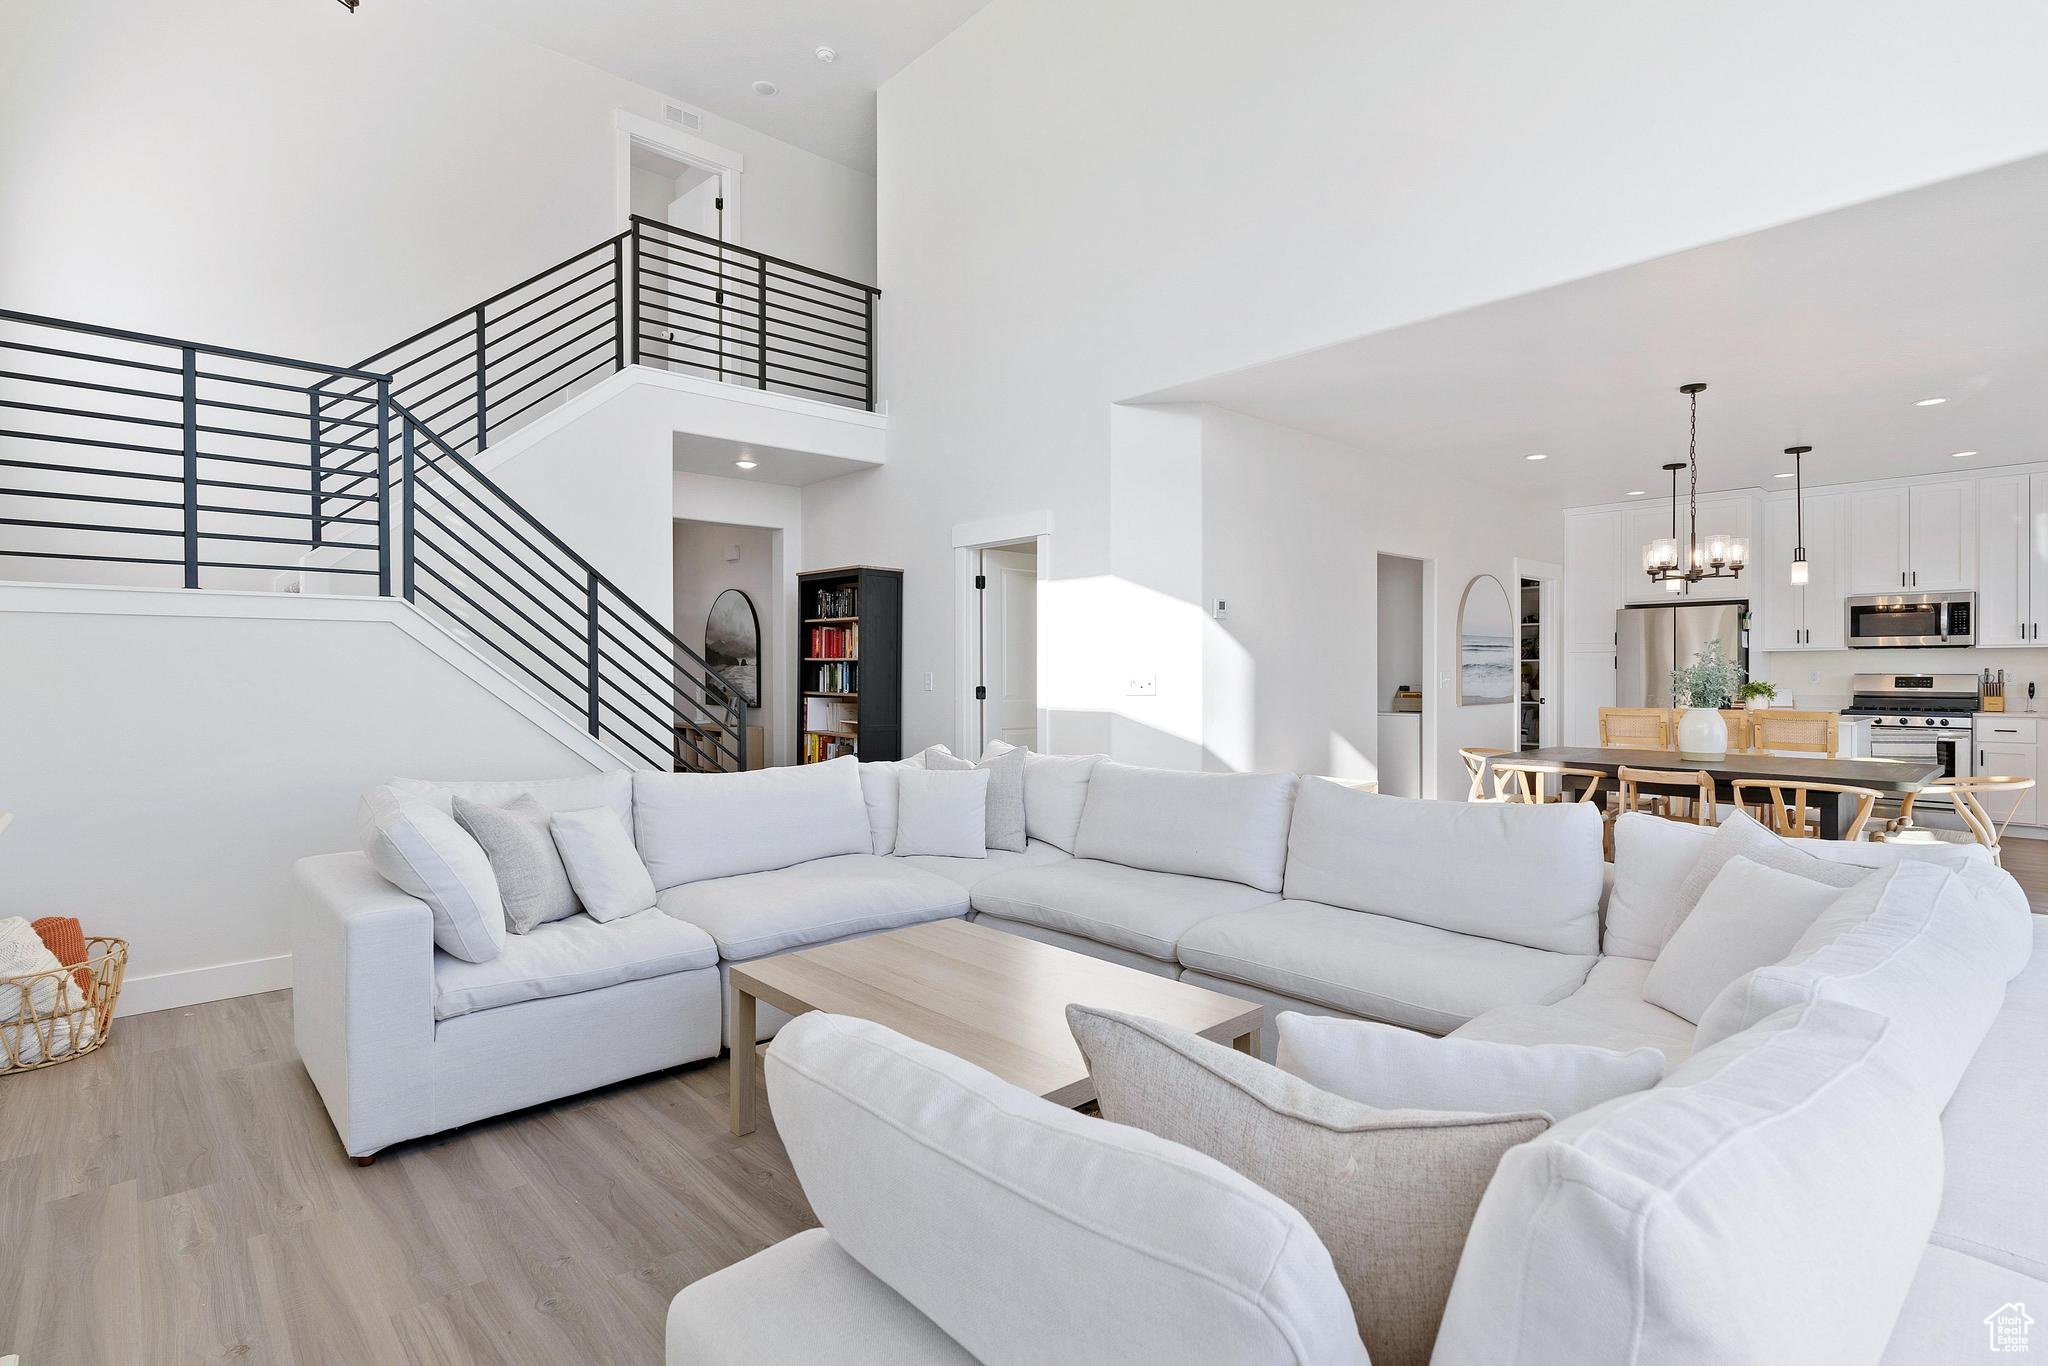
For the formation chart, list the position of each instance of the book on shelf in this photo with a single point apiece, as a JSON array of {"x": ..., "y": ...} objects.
[
  {"x": 820, "y": 748},
  {"x": 831, "y": 715},
  {"x": 833, "y": 678},
  {"x": 835, "y": 642}
]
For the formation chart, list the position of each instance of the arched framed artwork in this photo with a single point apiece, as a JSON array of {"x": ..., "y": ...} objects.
[
  {"x": 732, "y": 644},
  {"x": 1486, "y": 644}
]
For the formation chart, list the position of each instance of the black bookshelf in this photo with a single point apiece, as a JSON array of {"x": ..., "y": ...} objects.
[{"x": 849, "y": 672}]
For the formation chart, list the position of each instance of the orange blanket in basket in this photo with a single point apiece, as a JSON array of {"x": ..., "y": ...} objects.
[{"x": 63, "y": 937}]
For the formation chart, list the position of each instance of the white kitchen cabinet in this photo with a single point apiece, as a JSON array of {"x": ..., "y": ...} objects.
[
  {"x": 2007, "y": 747},
  {"x": 1808, "y": 618},
  {"x": 1593, "y": 560},
  {"x": 1941, "y": 536},
  {"x": 1877, "y": 541},
  {"x": 1644, "y": 523},
  {"x": 1588, "y": 686},
  {"x": 2012, "y": 559}
]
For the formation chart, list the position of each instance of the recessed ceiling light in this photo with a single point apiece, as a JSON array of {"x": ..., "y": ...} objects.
[
  {"x": 764, "y": 87},
  {"x": 1961, "y": 454},
  {"x": 827, "y": 55},
  {"x": 746, "y": 460},
  {"x": 1635, "y": 493},
  {"x": 1538, "y": 456},
  {"x": 1928, "y": 402},
  {"x": 1786, "y": 475}
]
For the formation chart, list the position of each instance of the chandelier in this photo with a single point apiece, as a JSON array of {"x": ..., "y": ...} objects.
[{"x": 1676, "y": 563}]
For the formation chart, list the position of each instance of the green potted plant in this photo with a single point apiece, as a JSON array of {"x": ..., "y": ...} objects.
[
  {"x": 1756, "y": 694},
  {"x": 1702, "y": 688}
]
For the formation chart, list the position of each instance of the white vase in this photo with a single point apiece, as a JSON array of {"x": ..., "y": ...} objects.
[
  {"x": 1702, "y": 735},
  {"x": 1758, "y": 704}
]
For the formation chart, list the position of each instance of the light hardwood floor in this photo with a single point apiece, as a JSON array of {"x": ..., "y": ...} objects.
[
  {"x": 2027, "y": 861},
  {"x": 181, "y": 1197}
]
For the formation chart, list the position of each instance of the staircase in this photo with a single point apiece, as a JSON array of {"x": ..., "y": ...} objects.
[{"x": 142, "y": 459}]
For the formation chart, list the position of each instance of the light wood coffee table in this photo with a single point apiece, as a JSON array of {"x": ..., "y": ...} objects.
[{"x": 998, "y": 1000}]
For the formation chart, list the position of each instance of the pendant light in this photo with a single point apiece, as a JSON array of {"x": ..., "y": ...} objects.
[
  {"x": 1799, "y": 567},
  {"x": 1673, "y": 562}
]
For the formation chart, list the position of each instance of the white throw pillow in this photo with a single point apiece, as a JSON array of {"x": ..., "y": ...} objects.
[
  {"x": 604, "y": 867},
  {"x": 693, "y": 826},
  {"x": 1916, "y": 944},
  {"x": 878, "y": 792},
  {"x": 1749, "y": 916},
  {"x": 1652, "y": 857},
  {"x": 1400, "y": 1069},
  {"x": 1028, "y": 1232},
  {"x": 942, "y": 812},
  {"x": 419, "y": 849},
  {"x": 1769, "y": 1202},
  {"x": 1005, "y": 792},
  {"x": 1055, "y": 792}
]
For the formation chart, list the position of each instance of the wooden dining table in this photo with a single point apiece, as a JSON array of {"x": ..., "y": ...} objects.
[{"x": 1889, "y": 777}]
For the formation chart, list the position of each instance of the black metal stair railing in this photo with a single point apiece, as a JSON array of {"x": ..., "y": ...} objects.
[{"x": 141, "y": 453}]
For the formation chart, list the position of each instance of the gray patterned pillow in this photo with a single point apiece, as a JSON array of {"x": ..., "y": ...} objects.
[
  {"x": 1391, "y": 1193},
  {"x": 528, "y": 867},
  {"x": 1005, "y": 791}
]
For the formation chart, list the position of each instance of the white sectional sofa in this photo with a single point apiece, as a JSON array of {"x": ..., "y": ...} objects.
[
  {"x": 1300, "y": 894},
  {"x": 1841, "y": 1165}
]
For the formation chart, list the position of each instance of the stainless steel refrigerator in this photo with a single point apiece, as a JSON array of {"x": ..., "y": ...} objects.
[{"x": 1651, "y": 641}]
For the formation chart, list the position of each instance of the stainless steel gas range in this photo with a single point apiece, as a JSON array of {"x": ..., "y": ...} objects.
[{"x": 1920, "y": 716}]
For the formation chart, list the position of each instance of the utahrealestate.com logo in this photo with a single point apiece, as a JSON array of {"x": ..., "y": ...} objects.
[{"x": 2008, "y": 1325}]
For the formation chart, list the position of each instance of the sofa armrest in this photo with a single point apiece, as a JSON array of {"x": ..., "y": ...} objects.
[{"x": 363, "y": 1000}]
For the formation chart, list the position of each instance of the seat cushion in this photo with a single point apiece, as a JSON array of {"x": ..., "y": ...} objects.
[
  {"x": 1525, "y": 874},
  {"x": 970, "y": 872},
  {"x": 1222, "y": 825},
  {"x": 1030, "y": 1233},
  {"x": 1376, "y": 966},
  {"x": 803, "y": 1299},
  {"x": 1769, "y": 1202},
  {"x": 1127, "y": 908},
  {"x": 564, "y": 957},
  {"x": 1608, "y": 1011},
  {"x": 829, "y": 898},
  {"x": 1945, "y": 1313},
  {"x": 1994, "y": 1203}
]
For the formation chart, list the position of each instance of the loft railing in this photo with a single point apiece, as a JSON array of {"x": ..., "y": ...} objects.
[
  {"x": 202, "y": 459},
  {"x": 708, "y": 307},
  {"x": 228, "y": 467}
]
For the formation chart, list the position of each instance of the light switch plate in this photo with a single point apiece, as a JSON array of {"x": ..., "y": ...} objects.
[
  {"x": 927, "y": 682},
  {"x": 1142, "y": 685}
]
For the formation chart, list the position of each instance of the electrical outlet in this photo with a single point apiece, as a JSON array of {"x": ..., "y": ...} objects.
[
  {"x": 1142, "y": 685},
  {"x": 927, "y": 682}
]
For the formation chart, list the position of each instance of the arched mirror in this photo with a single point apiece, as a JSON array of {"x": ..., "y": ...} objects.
[{"x": 1486, "y": 644}]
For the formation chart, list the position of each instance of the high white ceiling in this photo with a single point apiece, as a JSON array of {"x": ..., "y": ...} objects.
[
  {"x": 711, "y": 54},
  {"x": 1823, "y": 332}
]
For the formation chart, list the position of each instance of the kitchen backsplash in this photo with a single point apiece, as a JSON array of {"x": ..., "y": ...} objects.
[{"x": 1820, "y": 679}]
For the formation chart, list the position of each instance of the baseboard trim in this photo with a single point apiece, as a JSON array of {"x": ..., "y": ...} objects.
[{"x": 195, "y": 986}]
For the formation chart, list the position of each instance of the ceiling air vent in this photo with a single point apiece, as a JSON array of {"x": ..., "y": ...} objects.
[{"x": 681, "y": 116}]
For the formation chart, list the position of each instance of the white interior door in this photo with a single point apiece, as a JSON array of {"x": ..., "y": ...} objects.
[{"x": 1009, "y": 647}]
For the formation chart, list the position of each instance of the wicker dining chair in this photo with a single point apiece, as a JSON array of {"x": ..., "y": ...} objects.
[
  {"x": 1741, "y": 728},
  {"x": 1968, "y": 794},
  {"x": 1788, "y": 815},
  {"x": 1521, "y": 780},
  {"x": 1676, "y": 795},
  {"x": 1635, "y": 727},
  {"x": 1475, "y": 767},
  {"x": 1795, "y": 732}
]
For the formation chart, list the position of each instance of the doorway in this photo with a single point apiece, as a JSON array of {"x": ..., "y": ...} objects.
[
  {"x": 1006, "y": 619},
  {"x": 736, "y": 634},
  {"x": 1536, "y": 654},
  {"x": 1402, "y": 679}
]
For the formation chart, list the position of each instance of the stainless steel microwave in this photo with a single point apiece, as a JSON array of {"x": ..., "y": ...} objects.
[{"x": 1911, "y": 621}]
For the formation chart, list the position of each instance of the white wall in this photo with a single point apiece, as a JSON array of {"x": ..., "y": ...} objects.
[
  {"x": 176, "y": 766},
  {"x": 1052, "y": 241},
  {"x": 703, "y": 571},
  {"x": 287, "y": 177}
]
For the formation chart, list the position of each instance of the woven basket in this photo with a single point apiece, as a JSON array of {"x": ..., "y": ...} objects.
[{"x": 78, "y": 1020}]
